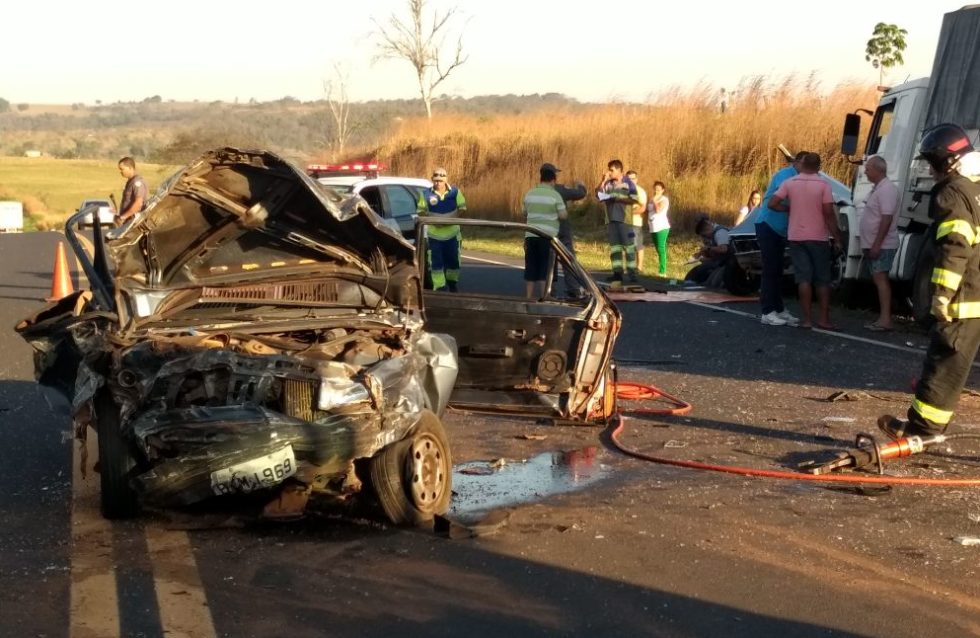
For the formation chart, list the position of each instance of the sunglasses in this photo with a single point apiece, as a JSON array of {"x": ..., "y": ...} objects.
[{"x": 438, "y": 174}]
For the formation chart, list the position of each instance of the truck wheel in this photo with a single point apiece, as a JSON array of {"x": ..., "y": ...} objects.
[
  {"x": 739, "y": 282},
  {"x": 412, "y": 478},
  {"x": 922, "y": 286},
  {"x": 116, "y": 462}
]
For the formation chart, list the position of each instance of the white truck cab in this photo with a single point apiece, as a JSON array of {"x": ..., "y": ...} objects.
[{"x": 950, "y": 94}]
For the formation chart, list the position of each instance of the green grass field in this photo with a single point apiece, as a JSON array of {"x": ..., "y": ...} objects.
[{"x": 51, "y": 189}]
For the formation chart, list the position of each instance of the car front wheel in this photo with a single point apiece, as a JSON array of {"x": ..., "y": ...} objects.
[
  {"x": 118, "y": 499},
  {"x": 412, "y": 478},
  {"x": 737, "y": 281}
]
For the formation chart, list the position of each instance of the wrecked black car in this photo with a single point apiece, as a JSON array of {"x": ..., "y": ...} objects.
[{"x": 252, "y": 332}]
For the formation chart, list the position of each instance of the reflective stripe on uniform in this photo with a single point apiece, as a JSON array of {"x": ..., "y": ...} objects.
[
  {"x": 958, "y": 226},
  {"x": 616, "y": 257},
  {"x": 946, "y": 278},
  {"x": 965, "y": 310},
  {"x": 932, "y": 413}
]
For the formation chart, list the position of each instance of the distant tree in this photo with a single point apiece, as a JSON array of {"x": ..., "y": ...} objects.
[
  {"x": 884, "y": 49},
  {"x": 23, "y": 107},
  {"x": 421, "y": 45},
  {"x": 4, "y": 105},
  {"x": 338, "y": 100},
  {"x": 155, "y": 99}
]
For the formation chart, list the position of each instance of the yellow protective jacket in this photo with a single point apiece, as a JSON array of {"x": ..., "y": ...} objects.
[{"x": 955, "y": 207}]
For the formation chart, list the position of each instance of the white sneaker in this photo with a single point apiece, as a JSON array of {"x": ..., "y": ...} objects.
[
  {"x": 789, "y": 317},
  {"x": 773, "y": 319}
]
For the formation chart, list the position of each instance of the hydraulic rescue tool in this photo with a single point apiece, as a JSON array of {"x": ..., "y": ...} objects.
[{"x": 867, "y": 451}]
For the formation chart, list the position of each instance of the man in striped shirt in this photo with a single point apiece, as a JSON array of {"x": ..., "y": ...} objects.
[{"x": 543, "y": 206}]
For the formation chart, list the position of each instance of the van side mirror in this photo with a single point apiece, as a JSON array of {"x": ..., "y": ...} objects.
[{"x": 852, "y": 130}]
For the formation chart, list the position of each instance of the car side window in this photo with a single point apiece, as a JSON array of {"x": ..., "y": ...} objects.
[
  {"x": 372, "y": 195},
  {"x": 401, "y": 201}
]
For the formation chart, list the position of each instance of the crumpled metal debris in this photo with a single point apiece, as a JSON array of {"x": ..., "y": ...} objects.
[
  {"x": 968, "y": 541},
  {"x": 531, "y": 437},
  {"x": 489, "y": 524}
]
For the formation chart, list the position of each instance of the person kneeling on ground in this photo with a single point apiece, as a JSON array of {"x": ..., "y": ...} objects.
[{"x": 713, "y": 255}]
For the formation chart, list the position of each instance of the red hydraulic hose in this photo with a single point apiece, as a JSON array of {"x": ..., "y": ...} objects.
[{"x": 640, "y": 392}]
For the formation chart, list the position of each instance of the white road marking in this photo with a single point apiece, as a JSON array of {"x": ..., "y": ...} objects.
[
  {"x": 184, "y": 611},
  {"x": 94, "y": 606},
  {"x": 495, "y": 263},
  {"x": 832, "y": 333}
]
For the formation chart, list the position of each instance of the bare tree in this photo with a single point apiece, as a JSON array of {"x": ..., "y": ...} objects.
[
  {"x": 421, "y": 45},
  {"x": 338, "y": 100}
]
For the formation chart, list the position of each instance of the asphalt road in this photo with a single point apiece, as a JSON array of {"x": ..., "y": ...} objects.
[{"x": 593, "y": 543}]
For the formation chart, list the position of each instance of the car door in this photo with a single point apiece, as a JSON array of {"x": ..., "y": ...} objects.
[
  {"x": 548, "y": 357},
  {"x": 401, "y": 205}
]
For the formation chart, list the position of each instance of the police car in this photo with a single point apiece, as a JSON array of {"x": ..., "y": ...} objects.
[{"x": 394, "y": 199}]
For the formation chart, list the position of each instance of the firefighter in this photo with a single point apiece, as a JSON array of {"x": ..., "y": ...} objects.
[
  {"x": 445, "y": 242},
  {"x": 954, "y": 207}
]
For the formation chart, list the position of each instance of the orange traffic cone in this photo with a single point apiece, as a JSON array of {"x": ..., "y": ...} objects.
[{"x": 61, "y": 285}]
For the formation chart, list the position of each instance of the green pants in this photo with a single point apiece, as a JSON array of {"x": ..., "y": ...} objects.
[{"x": 660, "y": 239}]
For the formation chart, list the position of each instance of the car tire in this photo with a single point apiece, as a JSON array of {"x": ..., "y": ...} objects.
[
  {"x": 412, "y": 478},
  {"x": 853, "y": 293},
  {"x": 118, "y": 499},
  {"x": 922, "y": 286},
  {"x": 737, "y": 281}
]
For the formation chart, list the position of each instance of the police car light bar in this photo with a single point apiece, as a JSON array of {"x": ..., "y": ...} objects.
[{"x": 345, "y": 168}]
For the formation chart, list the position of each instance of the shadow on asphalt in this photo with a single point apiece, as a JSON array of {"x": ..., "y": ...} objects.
[{"x": 365, "y": 582}]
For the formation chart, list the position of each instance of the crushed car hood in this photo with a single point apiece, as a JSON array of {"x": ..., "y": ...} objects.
[{"x": 241, "y": 216}]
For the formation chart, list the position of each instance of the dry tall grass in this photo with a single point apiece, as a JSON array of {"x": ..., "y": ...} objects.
[{"x": 709, "y": 160}]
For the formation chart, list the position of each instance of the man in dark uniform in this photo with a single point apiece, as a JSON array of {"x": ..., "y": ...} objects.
[
  {"x": 954, "y": 207},
  {"x": 134, "y": 194},
  {"x": 573, "y": 193}
]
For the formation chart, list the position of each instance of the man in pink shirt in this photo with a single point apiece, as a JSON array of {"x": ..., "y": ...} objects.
[
  {"x": 808, "y": 201},
  {"x": 879, "y": 236}
]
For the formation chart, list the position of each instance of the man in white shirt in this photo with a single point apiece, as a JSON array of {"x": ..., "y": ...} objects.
[{"x": 879, "y": 236}]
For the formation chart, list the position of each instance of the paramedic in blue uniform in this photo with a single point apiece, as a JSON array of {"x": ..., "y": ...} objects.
[{"x": 445, "y": 241}]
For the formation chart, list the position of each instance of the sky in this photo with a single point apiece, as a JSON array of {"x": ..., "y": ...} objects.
[{"x": 108, "y": 50}]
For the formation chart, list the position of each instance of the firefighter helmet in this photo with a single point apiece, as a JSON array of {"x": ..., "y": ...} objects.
[{"x": 944, "y": 144}]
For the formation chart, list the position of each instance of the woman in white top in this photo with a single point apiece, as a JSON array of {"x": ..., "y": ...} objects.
[
  {"x": 657, "y": 209},
  {"x": 755, "y": 198}
]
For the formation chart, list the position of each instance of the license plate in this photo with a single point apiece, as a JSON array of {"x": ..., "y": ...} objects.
[{"x": 255, "y": 474}]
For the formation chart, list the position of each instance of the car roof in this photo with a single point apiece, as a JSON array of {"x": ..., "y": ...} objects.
[
  {"x": 340, "y": 180},
  {"x": 354, "y": 183},
  {"x": 418, "y": 182}
]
